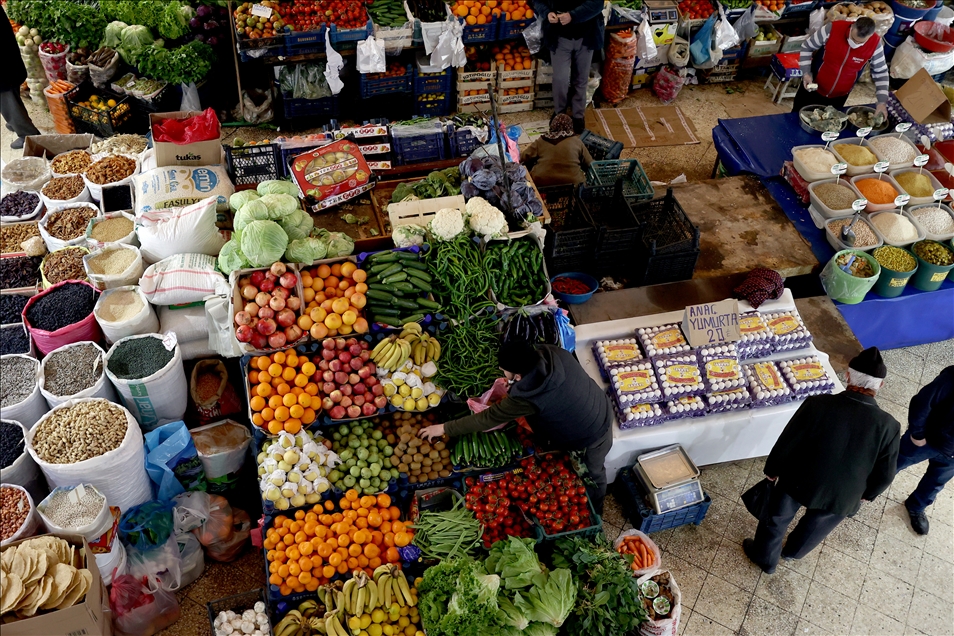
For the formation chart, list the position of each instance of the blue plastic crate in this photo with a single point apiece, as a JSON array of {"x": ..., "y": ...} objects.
[
  {"x": 371, "y": 87},
  {"x": 436, "y": 108},
  {"x": 462, "y": 142},
  {"x": 480, "y": 33},
  {"x": 423, "y": 146},
  {"x": 324, "y": 107},
  {"x": 511, "y": 29},
  {"x": 260, "y": 48},
  {"x": 736, "y": 52},
  {"x": 351, "y": 35},
  {"x": 632, "y": 499},
  {"x": 305, "y": 42},
  {"x": 433, "y": 82}
]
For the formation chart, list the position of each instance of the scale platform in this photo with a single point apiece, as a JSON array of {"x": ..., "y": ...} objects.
[{"x": 670, "y": 478}]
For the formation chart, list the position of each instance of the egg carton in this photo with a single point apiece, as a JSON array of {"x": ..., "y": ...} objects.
[
  {"x": 635, "y": 383},
  {"x": 767, "y": 386},
  {"x": 615, "y": 353},
  {"x": 721, "y": 368},
  {"x": 806, "y": 376},
  {"x": 730, "y": 400},
  {"x": 663, "y": 340},
  {"x": 639, "y": 415},
  {"x": 790, "y": 332},
  {"x": 757, "y": 340},
  {"x": 679, "y": 375},
  {"x": 687, "y": 406}
]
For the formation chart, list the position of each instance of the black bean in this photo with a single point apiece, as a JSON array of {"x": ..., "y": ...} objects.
[
  {"x": 21, "y": 271},
  {"x": 139, "y": 358},
  {"x": 11, "y": 309},
  {"x": 63, "y": 306},
  {"x": 20, "y": 203},
  {"x": 14, "y": 340},
  {"x": 11, "y": 443}
]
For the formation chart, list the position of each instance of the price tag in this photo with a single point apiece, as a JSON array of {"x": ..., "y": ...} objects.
[
  {"x": 921, "y": 160},
  {"x": 859, "y": 204},
  {"x": 940, "y": 194},
  {"x": 839, "y": 168},
  {"x": 902, "y": 199},
  {"x": 864, "y": 132},
  {"x": 881, "y": 166},
  {"x": 831, "y": 135},
  {"x": 903, "y": 127},
  {"x": 261, "y": 11},
  {"x": 169, "y": 341}
]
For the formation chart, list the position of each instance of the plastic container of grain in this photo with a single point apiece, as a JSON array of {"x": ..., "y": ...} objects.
[
  {"x": 854, "y": 171},
  {"x": 834, "y": 236},
  {"x": 823, "y": 209},
  {"x": 940, "y": 238},
  {"x": 884, "y": 238},
  {"x": 877, "y": 207},
  {"x": 935, "y": 184},
  {"x": 899, "y": 164},
  {"x": 809, "y": 175}
]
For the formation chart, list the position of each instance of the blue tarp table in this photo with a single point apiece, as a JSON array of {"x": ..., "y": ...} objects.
[{"x": 760, "y": 145}]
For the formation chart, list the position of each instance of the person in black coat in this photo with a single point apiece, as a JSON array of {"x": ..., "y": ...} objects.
[
  {"x": 836, "y": 451},
  {"x": 14, "y": 73},
  {"x": 930, "y": 437}
]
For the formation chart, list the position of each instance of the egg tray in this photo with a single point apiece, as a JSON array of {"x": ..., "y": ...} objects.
[
  {"x": 679, "y": 375},
  {"x": 790, "y": 332},
  {"x": 731, "y": 400},
  {"x": 721, "y": 368},
  {"x": 767, "y": 386},
  {"x": 631, "y": 417},
  {"x": 687, "y": 406},
  {"x": 663, "y": 340},
  {"x": 635, "y": 383},
  {"x": 757, "y": 340},
  {"x": 806, "y": 376},
  {"x": 615, "y": 353}
]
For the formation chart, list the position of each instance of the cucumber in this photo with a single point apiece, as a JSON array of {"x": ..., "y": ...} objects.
[
  {"x": 427, "y": 304},
  {"x": 388, "y": 311},
  {"x": 397, "y": 302},
  {"x": 383, "y": 287},
  {"x": 395, "y": 278},
  {"x": 383, "y": 295},
  {"x": 420, "y": 284},
  {"x": 390, "y": 271},
  {"x": 383, "y": 257},
  {"x": 419, "y": 273},
  {"x": 467, "y": 449}
]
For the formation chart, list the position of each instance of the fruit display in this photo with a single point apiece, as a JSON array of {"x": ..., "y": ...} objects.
[
  {"x": 364, "y": 454},
  {"x": 776, "y": 6},
  {"x": 695, "y": 9},
  {"x": 491, "y": 449},
  {"x": 414, "y": 457},
  {"x": 478, "y": 58},
  {"x": 252, "y": 26},
  {"x": 271, "y": 310},
  {"x": 293, "y": 470},
  {"x": 397, "y": 285},
  {"x": 493, "y": 505},
  {"x": 348, "y": 386},
  {"x": 282, "y": 394},
  {"x": 407, "y": 367},
  {"x": 388, "y": 13},
  {"x": 484, "y": 11},
  {"x": 766, "y": 33},
  {"x": 512, "y": 57},
  {"x": 335, "y": 296}
]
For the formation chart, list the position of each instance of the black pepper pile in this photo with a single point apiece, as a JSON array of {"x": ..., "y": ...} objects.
[
  {"x": 62, "y": 306},
  {"x": 11, "y": 309},
  {"x": 20, "y": 271},
  {"x": 14, "y": 340},
  {"x": 11, "y": 443},
  {"x": 20, "y": 203},
  {"x": 138, "y": 358}
]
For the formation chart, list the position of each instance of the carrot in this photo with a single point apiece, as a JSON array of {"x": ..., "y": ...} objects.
[{"x": 642, "y": 552}]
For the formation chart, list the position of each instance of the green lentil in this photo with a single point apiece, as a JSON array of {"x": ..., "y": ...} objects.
[
  {"x": 934, "y": 253},
  {"x": 139, "y": 358},
  {"x": 894, "y": 258}
]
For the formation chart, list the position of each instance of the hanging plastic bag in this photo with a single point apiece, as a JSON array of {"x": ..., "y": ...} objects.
[
  {"x": 172, "y": 462},
  {"x": 745, "y": 26},
  {"x": 371, "y": 56},
  {"x": 726, "y": 37},
  {"x": 567, "y": 332},
  {"x": 533, "y": 35},
  {"x": 701, "y": 46},
  {"x": 162, "y": 563},
  {"x": 667, "y": 83},
  {"x": 816, "y": 20},
  {"x": 229, "y": 549},
  {"x": 190, "y": 97},
  {"x": 333, "y": 65},
  {"x": 493, "y": 395},
  {"x": 190, "y": 511},
  {"x": 140, "y": 607},
  {"x": 679, "y": 52},
  {"x": 646, "y": 45},
  {"x": 450, "y": 47},
  {"x": 256, "y": 107}
]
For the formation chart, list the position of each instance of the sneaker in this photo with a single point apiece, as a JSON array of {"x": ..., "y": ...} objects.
[
  {"x": 919, "y": 520},
  {"x": 17, "y": 143},
  {"x": 747, "y": 548}
]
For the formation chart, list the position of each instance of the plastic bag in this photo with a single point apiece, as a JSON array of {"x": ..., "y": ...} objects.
[
  {"x": 617, "y": 76},
  {"x": 701, "y": 47},
  {"x": 140, "y": 607},
  {"x": 646, "y": 45},
  {"x": 909, "y": 58},
  {"x": 201, "y": 127},
  {"x": 816, "y": 20},
  {"x": 663, "y": 626},
  {"x": 221, "y": 447},
  {"x": 146, "y": 526},
  {"x": 257, "y": 106},
  {"x": 667, "y": 83},
  {"x": 229, "y": 549},
  {"x": 217, "y": 526},
  {"x": 162, "y": 563},
  {"x": 211, "y": 392},
  {"x": 450, "y": 47},
  {"x": 191, "y": 559},
  {"x": 745, "y": 26},
  {"x": 76, "y": 73},
  {"x": 333, "y": 65},
  {"x": 679, "y": 52},
  {"x": 371, "y": 56},
  {"x": 725, "y": 36},
  {"x": 101, "y": 75},
  {"x": 567, "y": 332},
  {"x": 593, "y": 84},
  {"x": 190, "y": 97},
  {"x": 176, "y": 231},
  {"x": 190, "y": 511},
  {"x": 172, "y": 462},
  {"x": 304, "y": 81},
  {"x": 533, "y": 36},
  {"x": 650, "y": 544},
  {"x": 496, "y": 393}
]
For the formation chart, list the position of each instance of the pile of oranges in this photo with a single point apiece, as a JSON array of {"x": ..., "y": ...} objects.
[
  {"x": 334, "y": 297},
  {"x": 518, "y": 91},
  {"x": 304, "y": 552},
  {"x": 282, "y": 394},
  {"x": 772, "y": 5},
  {"x": 482, "y": 91},
  {"x": 483, "y": 11},
  {"x": 512, "y": 57}
]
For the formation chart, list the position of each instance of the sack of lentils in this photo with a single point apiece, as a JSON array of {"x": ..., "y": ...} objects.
[
  {"x": 75, "y": 371},
  {"x": 61, "y": 315},
  {"x": 18, "y": 519},
  {"x": 16, "y": 465},
  {"x": 147, "y": 372},
  {"x": 92, "y": 441},
  {"x": 76, "y": 510},
  {"x": 20, "y": 397}
]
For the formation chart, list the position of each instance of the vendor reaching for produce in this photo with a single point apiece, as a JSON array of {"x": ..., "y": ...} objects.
[
  {"x": 558, "y": 157},
  {"x": 567, "y": 410},
  {"x": 845, "y": 49}
]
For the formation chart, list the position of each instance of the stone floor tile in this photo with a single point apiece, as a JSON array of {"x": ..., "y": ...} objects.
[
  {"x": 941, "y": 353},
  {"x": 904, "y": 363},
  {"x": 193, "y": 619},
  {"x": 880, "y": 587},
  {"x": 726, "y": 479},
  {"x": 905, "y": 482},
  {"x": 786, "y": 589},
  {"x": 683, "y": 621},
  {"x": 722, "y": 602},
  {"x": 910, "y": 631},
  {"x": 613, "y": 512},
  {"x": 689, "y": 577},
  {"x": 899, "y": 412},
  {"x": 696, "y": 544},
  {"x": 611, "y": 531},
  {"x": 936, "y": 577},
  {"x": 805, "y": 565},
  {"x": 804, "y": 628},
  {"x": 869, "y": 622},
  {"x": 699, "y": 625},
  {"x": 220, "y": 580},
  {"x": 942, "y": 509},
  {"x": 898, "y": 558},
  {"x": 931, "y": 615},
  {"x": 719, "y": 513},
  {"x": 931, "y": 371},
  {"x": 840, "y": 572},
  {"x": 898, "y": 389},
  {"x": 896, "y": 523},
  {"x": 853, "y": 538},
  {"x": 940, "y": 541},
  {"x": 661, "y": 538},
  {"x": 830, "y": 608},
  {"x": 741, "y": 525},
  {"x": 765, "y": 619},
  {"x": 731, "y": 564},
  {"x": 870, "y": 512}
]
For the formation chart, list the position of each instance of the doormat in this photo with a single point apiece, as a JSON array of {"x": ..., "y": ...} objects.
[{"x": 643, "y": 126}]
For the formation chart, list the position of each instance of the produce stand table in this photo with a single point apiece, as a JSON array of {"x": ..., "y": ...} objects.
[
  {"x": 760, "y": 145},
  {"x": 721, "y": 437}
]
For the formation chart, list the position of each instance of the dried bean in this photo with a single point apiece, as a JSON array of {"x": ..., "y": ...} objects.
[
  {"x": 111, "y": 230},
  {"x": 19, "y": 271},
  {"x": 864, "y": 235},
  {"x": 72, "y": 370},
  {"x": 935, "y": 220},
  {"x": 70, "y": 223},
  {"x": 111, "y": 169},
  {"x": 19, "y": 203},
  {"x": 17, "y": 380},
  {"x": 64, "y": 264},
  {"x": 66, "y": 513},
  {"x": 11, "y": 309},
  {"x": 75, "y": 162},
  {"x": 14, "y": 510},
  {"x": 11, "y": 236},
  {"x": 80, "y": 432},
  {"x": 14, "y": 340},
  {"x": 139, "y": 358},
  {"x": 11, "y": 443},
  {"x": 62, "y": 306},
  {"x": 894, "y": 258},
  {"x": 63, "y": 188}
]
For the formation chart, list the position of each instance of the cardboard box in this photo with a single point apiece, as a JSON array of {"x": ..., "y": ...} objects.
[
  {"x": 83, "y": 619},
  {"x": 422, "y": 211},
  {"x": 924, "y": 100},
  {"x": 201, "y": 153},
  {"x": 51, "y": 145}
]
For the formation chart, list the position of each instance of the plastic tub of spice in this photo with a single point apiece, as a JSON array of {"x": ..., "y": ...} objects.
[
  {"x": 832, "y": 197},
  {"x": 920, "y": 184},
  {"x": 899, "y": 152},
  {"x": 866, "y": 237},
  {"x": 813, "y": 163},
  {"x": 851, "y": 286},
  {"x": 880, "y": 193},
  {"x": 896, "y": 228},
  {"x": 936, "y": 221},
  {"x": 860, "y": 159},
  {"x": 935, "y": 261},
  {"x": 897, "y": 267}
]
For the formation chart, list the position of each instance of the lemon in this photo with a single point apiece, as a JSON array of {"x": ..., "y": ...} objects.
[
  {"x": 111, "y": 103},
  {"x": 399, "y": 381},
  {"x": 377, "y": 616},
  {"x": 389, "y": 390},
  {"x": 388, "y": 630},
  {"x": 354, "y": 623},
  {"x": 422, "y": 404},
  {"x": 433, "y": 399},
  {"x": 375, "y": 630},
  {"x": 365, "y": 621}
]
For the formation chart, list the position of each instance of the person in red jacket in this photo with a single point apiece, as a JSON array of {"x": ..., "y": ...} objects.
[{"x": 845, "y": 49}]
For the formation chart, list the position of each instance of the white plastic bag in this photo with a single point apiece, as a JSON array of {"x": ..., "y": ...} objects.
[
  {"x": 188, "y": 230},
  {"x": 910, "y": 58},
  {"x": 101, "y": 389},
  {"x": 92, "y": 531},
  {"x": 224, "y": 461},
  {"x": 666, "y": 626},
  {"x": 371, "y": 56},
  {"x": 162, "y": 562},
  {"x": 183, "y": 278},
  {"x": 745, "y": 26},
  {"x": 333, "y": 65},
  {"x": 725, "y": 36},
  {"x": 24, "y": 471},
  {"x": 219, "y": 320},
  {"x": 650, "y": 544},
  {"x": 533, "y": 35},
  {"x": 190, "y": 97},
  {"x": 450, "y": 47},
  {"x": 190, "y": 512},
  {"x": 159, "y": 398},
  {"x": 646, "y": 46},
  {"x": 17, "y": 174},
  {"x": 29, "y": 410},
  {"x": 129, "y": 276},
  {"x": 191, "y": 557},
  {"x": 679, "y": 52},
  {"x": 816, "y": 20},
  {"x": 53, "y": 243},
  {"x": 29, "y": 526},
  {"x": 143, "y": 322}
]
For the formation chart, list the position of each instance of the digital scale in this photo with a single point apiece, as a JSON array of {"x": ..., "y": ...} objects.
[
  {"x": 670, "y": 478},
  {"x": 661, "y": 11}
]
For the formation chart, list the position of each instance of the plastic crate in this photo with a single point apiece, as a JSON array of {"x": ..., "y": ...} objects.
[
  {"x": 351, "y": 35},
  {"x": 238, "y": 603},
  {"x": 305, "y": 42},
  {"x": 260, "y": 48},
  {"x": 424, "y": 146},
  {"x": 480, "y": 33},
  {"x": 324, "y": 107},
  {"x": 632, "y": 498},
  {"x": 510, "y": 29},
  {"x": 250, "y": 165},
  {"x": 670, "y": 240},
  {"x": 603, "y": 175},
  {"x": 285, "y": 154},
  {"x": 433, "y": 82},
  {"x": 601, "y": 148},
  {"x": 462, "y": 142},
  {"x": 432, "y": 108},
  {"x": 557, "y": 200},
  {"x": 586, "y": 533},
  {"x": 618, "y": 230},
  {"x": 104, "y": 123},
  {"x": 373, "y": 87}
]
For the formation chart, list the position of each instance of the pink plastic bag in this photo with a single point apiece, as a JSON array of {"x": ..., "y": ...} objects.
[
  {"x": 667, "y": 83},
  {"x": 495, "y": 394},
  {"x": 47, "y": 341},
  {"x": 140, "y": 610}
]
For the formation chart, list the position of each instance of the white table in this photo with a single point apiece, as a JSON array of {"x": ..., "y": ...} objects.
[{"x": 720, "y": 437}]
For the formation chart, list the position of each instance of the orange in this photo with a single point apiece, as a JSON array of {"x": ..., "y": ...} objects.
[
  {"x": 371, "y": 550},
  {"x": 289, "y": 399},
  {"x": 360, "y": 326},
  {"x": 360, "y": 537},
  {"x": 292, "y": 426},
  {"x": 344, "y": 540},
  {"x": 324, "y": 550},
  {"x": 336, "y": 269},
  {"x": 401, "y": 539},
  {"x": 281, "y": 413},
  {"x": 324, "y": 271},
  {"x": 334, "y": 560},
  {"x": 368, "y": 501},
  {"x": 383, "y": 500},
  {"x": 374, "y": 562},
  {"x": 395, "y": 512},
  {"x": 275, "y": 427},
  {"x": 264, "y": 390},
  {"x": 359, "y": 276},
  {"x": 351, "y": 495},
  {"x": 374, "y": 519},
  {"x": 305, "y": 564},
  {"x": 257, "y": 403},
  {"x": 471, "y": 20},
  {"x": 354, "y": 549},
  {"x": 343, "y": 568},
  {"x": 348, "y": 268},
  {"x": 304, "y": 399},
  {"x": 282, "y": 389},
  {"x": 328, "y": 571},
  {"x": 392, "y": 555}
]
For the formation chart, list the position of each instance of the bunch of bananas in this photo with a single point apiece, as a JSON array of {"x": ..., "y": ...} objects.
[
  {"x": 392, "y": 352},
  {"x": 424, "y": 347},
  {"x": 382, "y": 604},
  {"x": 306, "y": 620}
]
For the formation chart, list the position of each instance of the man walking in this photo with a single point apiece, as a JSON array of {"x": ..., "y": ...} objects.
[
  {"x": 835, "y": 451},
  {"x": 930, "y": 437}
]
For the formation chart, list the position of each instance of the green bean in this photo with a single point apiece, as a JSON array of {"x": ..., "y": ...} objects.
[{"x": 444, "y": 535}]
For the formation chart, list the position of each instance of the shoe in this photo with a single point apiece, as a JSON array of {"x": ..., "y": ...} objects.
[
  {"x": 579, "y": 126},
  {"x": 786, "y": 558},
  {"x": 919, "y": 520},
  {"x": 9, "y": 127},
  {"x": 747, "y": 548},
  {"x": 17, "y": 143}
]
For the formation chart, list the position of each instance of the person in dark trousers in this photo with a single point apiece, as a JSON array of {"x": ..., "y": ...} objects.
[
  {"x": 572, "y": 31},
  {"x": 566, "y": 409},
  {"x": 845, "y": 47},
  {"x": 930, "y": 437},
  {"x": 11, "y": 106},
  {"x": 835, "y": 451},
  {"x": 558, "y": 157}
]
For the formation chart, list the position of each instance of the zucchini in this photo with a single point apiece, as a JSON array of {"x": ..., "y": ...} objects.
[
  {"x": 418, "y": 265},
  {"x": 382, "y": 287},
  {"x": 383, "y": 257},
  {"x": 382, "y": 295},
  {"x": 404, "y": 286},
  {"x": 408, "y": 255},
  {"x": 398, "y": 302},
  {"x": 378, "y": 309},
  {"x": 390, "y": 271},
  {"x": 420, "y": 284},
  {"x": 414, "y": 318},
  {"x": 419, "y": 273},
  {"x": 428, "y": 304},
  {"x": 395, "y": 278}
]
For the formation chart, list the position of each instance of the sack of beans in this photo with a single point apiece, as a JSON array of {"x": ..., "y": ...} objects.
[
  {"x": 18, "y": 519},
  {"x": 20, "y": 397},
  {"x": 115, "y": 265},
  {"x": 16, "y": 465},
  {"x": 75, "y": 371},
  {"x": 124, "y": 311},
  {"x": 148, "y": 373},
  {"x": 80, "y": 509},
  {"x": 186, "y": 230},
  {"x": 64, "y": 225},
  {"x": 92, "y": 441},
  {"x": 61, "y": 315}
]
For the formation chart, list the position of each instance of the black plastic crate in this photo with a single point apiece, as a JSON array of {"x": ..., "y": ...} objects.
[
  {"x": 260, "y": 48},
  {"x": 238, "y": 603},
  {"x": 557, "y": 200},
  {"x": 670, "y": 240},
  {"x": 462, "y": 142},
  {"x": 103, "y": 122},
  {"x": 632, "y": 499},
  {"x": 601, "y": 148},
  {"x": 250, "y": 165},
  {"x": 619, "y": 229},
  {"x": 323, "y": 107}
]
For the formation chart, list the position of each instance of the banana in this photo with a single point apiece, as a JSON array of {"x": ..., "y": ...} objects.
[
  {"x": 334, "y": 625},
  {"x": 339, "y": 600},
  {"x": 434, "y": 349},
  {"x": 381, "y": 570},
  {"x": 412, "y": 326},
  {"x": 318, "y": 625},
  {"x": 383, "y": 343},
  {"x": 385, "y": 351},
  {"x": 405, "y": 590},
  {"x": 372, "y": 594},
  {"x": 396, "y": 591},
  {"x": 347, "y": 594},
  {"x": 384, "y": 589},
  {"x": 409, "y": 336},
  {"x": 359, "y": 603}
]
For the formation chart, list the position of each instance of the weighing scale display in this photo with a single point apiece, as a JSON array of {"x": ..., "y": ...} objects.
[{"x": 678, "y": 496}]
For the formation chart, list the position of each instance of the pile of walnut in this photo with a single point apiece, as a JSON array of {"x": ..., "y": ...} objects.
[{"x": 252, "y": 621}]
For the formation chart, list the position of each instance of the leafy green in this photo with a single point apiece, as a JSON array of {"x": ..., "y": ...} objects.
[
  {"x": 231, "y": 257},
  {"x": 113, "y": 35},
  {"x": 263, "y": 243},
  {"x": 78, "y": 23},
  {"x": 169, "y": 18},
  {"x": 134, "y": 39},
  {"x": 510, "y": 615},
  {"x": 339, "y": 243},
  {"x": 306, "y": 250},
  {"x": 540, "y": 629},
  {"x": 440, "y": 183},
  {"x": 515, "y": 561},
  {"x": 457, "y": 598},
  {"x": 183, "y": 65},
  {"x": 297, "y": 225},
  {"x": 549, "y": 603},
  {"x": 279, "y": 205},
  {"x": 277, "y": 186}
]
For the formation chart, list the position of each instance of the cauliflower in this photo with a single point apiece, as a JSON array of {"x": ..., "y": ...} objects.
[
  {"x": 485, "y": 219},
  {"x": 446, "y": 224},
  {"x": 408, "y": 235}
]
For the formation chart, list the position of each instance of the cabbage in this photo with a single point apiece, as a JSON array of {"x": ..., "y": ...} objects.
[
  {"x": 254, "y": 210},
  {"x": 339, "y": 243},
  {"x": 278, "y": 187},
  {"x": 306, "y": 250},
  {"x": 263, "y": 243},
  {"x": 231, "y": 257},
  {"x": 297, "y": 225},
  {"x": 135, "y": 38},
  {"x": 279, "y": 205},
  {"x": 113, "y": 33},
  {"x": 237, "y": 200}
]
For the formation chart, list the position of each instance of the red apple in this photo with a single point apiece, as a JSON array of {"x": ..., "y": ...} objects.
[
  {"x": 373, "y": 367},
  {"x": 243, "y": 318},
  {"x": 363, "y": 372},
  {"x": 285, "y": 317},
  {"x": 354, "y": 378},
  {"x": 341, "y": 377},
  {"x": 358, "y": 399},
  {"x": 369, "y": 409},
  {"x": 339, "y": 343},
  {"x": 338, "y": 413},
  {"x": 256, "y": 278},
  {"x": 267, "y": 285},
  {"x": 259, "y": 341},
  {"x": 372, "y": 381},
  {"x": 345, "y": 357},
  {"x": 328, "y": 344},
  {"x": 351, "y": 341},
  {"x": 277, "y": 340},
  {"x": 327, "y": 354},
  {"x": 336, "y": 396},
  {"x": 328, "y": 376},
  {"x": 327, "y": 403},
  {"x": 323, "y": 365},
  {"x": 380, "y": 401},
  {"x": 355, "y": 350},
  {"x": 365, "y": 355},
  {"x": 346, "y": 389},
  {"x": 244, "y": 333},
  {"x": 293, "y": 303},
  {"x": 360, "y": 388},
  {"x": 266, "y": 326},
  {"x": 354, "y": 411},
  {"x": 328, "y": 387},
  {"x": 346, "y": 401},
  {"x": 334, "y": 365},
  {"x": 288, "y": 280},
  {"x": 377, "y": 390}
]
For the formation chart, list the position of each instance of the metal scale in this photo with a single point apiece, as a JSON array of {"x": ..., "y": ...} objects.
[
  {"x": 661, "y": 11},
  {"x": 670, "y": 477}
]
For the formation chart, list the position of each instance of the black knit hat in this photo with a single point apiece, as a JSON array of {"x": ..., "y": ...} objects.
[
  {"x": 517, "y": 356},
  {"x": 870, "y": 363}
]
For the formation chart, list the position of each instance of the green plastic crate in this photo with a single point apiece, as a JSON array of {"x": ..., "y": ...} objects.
[{"x": 603, "y": 175}]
